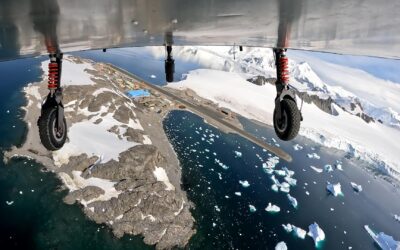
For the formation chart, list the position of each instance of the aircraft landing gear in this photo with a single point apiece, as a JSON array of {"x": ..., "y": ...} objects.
[
  {"x": 287, "y": 116},
  {"x": 169, "y": 65},
  {"x": 52, "y": 124}
]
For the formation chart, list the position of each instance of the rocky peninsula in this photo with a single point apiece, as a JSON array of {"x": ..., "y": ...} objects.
[{"x": 117, "y": 162}]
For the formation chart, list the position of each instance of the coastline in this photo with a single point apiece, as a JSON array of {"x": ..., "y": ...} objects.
[{"x": 142, "y": 196}]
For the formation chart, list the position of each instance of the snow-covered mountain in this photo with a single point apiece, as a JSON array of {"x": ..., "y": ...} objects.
[
  {"x": 259, "y": 62},
  {"x": 334, "y": 115}
]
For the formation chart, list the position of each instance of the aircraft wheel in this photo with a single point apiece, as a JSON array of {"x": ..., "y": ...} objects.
[
  {"x": 52, "y": 138},
  {"x": 288, "y": 126}
]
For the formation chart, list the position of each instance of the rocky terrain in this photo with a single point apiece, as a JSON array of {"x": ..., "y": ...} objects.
[{"x": 117, "y": 162}]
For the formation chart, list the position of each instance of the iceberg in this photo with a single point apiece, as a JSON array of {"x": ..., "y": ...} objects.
[
  {"x": 318, "y": 170},
  {"x": 281, "y": 246},
  {"x": 238, "y": 193},
  {"x": 356, "y": 187},
  {"x": 316, "y": 233},
  {"x": 384, "y": 241},
  {"x": 244, "y": 183},
  {"x": 339, "y": 167},
  {"x": 272, "y": 208},
  {"x": 335, "y": 189},
  {"x": 292, "y": 200},
  {"x": 252, "y": 208},
  {"x": 275, "y": 187},
  {"x": 328, "y": 168}
]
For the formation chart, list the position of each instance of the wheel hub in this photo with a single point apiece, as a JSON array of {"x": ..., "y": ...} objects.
[{"x": 282, "y": 122}]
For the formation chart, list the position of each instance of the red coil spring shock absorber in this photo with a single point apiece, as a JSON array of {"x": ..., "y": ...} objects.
[
  {"x": 284, "y": 69},
  {"x": 53, "y": 76}
]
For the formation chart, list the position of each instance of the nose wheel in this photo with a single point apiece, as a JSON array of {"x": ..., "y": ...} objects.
[
  {"x": 52, "y": 124},
  {"x": 287, "y": 116}
]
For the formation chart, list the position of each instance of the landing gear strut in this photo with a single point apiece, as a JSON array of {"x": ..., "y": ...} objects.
[
  {"x": 51, "y": 123},
  {"x": 287, "y": 116},
  {"x": 169, "y": 64}
]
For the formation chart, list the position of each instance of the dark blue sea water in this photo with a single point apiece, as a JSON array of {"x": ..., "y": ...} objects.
[
  {"x": 225, "y": 220},
  {"x": 38, "y": 219}
]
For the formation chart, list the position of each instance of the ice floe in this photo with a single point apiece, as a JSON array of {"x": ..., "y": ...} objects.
[
  {"x": 280, "y": 172},
  {"x": 313, "y": 156},
  {"x": 292, "y": 200},
  {"x": 281, "y": 246},
  {"x": 316, "y": 233},
  {"x": 222, "y": 165},
  {"x": 318, "y": 170},
  {"x": 288, "y": 228},
  {"x": 274, "y": 180},
  {"x": 384, "y": 241},
  {"x": 272, "y": 208},
  {"x": 328, "y": 168},
  {"x": 335, "y": 189},
  {"x": 297, "y": 147},
  {"x": 285, "y": 187},
  {"x": 244, "y": 183},
  {"x": 252, "y": 208},
  {"x": 339, "y": 166},
  {"x": 396, "y": 217},
  {"x": 9, "y": 203},
  {"x": 289, "y": 173},
  {"x": 268, "y": 170},
  {"x": 291, "y": 181},
  {"x": 356, "y": 187},
  {"x": 275, "y": 188},
  {"x": 238, "y": 154},
  {"x": 297, "y": 231},
  {"x": 271, "y": 162}
]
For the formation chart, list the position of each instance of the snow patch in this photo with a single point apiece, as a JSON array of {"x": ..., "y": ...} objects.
[
  {"x": 78, "y": 182},
  {"x": 161, "y": 175}
]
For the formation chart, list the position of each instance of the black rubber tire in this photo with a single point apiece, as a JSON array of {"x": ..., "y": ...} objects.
[
  {"x": 47, "y": 133},
  {"x": 287, "y": 129}
]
